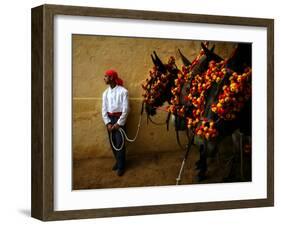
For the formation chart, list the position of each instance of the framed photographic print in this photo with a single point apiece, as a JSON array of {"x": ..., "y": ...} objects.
[{"x": 141, "y": 112}]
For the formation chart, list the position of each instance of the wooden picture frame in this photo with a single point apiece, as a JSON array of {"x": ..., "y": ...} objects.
[{"x": 42, "y": 203}]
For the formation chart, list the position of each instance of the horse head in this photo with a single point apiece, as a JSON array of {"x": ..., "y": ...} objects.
[
  {"x": 188, "y": 87},
  {"x": 227, "y": 97},
  {"x": 159, "y": 83}
]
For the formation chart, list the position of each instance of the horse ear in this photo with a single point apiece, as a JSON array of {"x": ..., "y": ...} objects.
[
  {"x": 245, "y": 53},
  {"x": 213, "y": 48},
  {"x": 159, "y": 63},
  {"x": 185, "y": 61},
  {"x": 153, "y": 60},
  {"x": 241, "y": 57},
  {"x": 157, "y": 59},
  {"x": 206, "y": 50},
  {"x": 211, "y": 55}
]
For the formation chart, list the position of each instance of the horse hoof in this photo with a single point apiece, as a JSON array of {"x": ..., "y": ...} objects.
[
  {"x": 199, "y": 165},
  {"x": 227, "y": 180},
  {"x": 201, "y": 176}
]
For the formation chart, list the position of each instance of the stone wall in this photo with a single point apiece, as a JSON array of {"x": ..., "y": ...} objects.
[{"x": 92, "y": 55}]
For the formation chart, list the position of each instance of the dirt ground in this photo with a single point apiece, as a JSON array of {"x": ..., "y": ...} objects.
[{"x": 158, "y": 169}]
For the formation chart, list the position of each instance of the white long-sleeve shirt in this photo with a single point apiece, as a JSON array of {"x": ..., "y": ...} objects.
[{"x": 115, "y": 100}]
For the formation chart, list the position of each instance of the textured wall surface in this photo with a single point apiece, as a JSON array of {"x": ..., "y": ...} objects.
[{"x": 92, "y": 55}]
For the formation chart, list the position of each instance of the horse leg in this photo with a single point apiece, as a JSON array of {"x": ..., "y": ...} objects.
[
  {"x": 235, "y": 159},
  {"x": 245, "y": 157},
  {"x": 241, "y": 156},
  {"x": 199, "y": 163},
  {"x": 202, "y": 166}
]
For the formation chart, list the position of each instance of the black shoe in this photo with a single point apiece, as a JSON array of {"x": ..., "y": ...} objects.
[
  {"x": 114, "y": 167},
  {"x": 120, "y": 172}
]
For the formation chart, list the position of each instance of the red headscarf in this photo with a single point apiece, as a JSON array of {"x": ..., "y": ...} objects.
[{"x": 114, "y": 75}]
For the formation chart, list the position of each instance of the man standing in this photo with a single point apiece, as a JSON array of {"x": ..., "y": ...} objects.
[{"x": 115, "y": 108}]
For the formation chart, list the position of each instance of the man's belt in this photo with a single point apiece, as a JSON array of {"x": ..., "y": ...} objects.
[{"x": 116, "y": 114}]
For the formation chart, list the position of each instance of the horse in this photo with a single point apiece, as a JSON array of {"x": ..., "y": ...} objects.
[
  {"x": 208, "y": 123},
  {"x": 227, "y": 105},
  {"x": 181, "y": 108},
  {"x": 157, "y": 93}
]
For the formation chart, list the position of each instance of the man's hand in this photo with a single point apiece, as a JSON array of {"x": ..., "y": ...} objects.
[
  {"x": 115, "y": 126},
  {"x": 109, "y": 127}
]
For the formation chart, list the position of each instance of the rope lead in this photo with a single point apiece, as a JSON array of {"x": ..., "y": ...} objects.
[{"x": 124, "y": 136}]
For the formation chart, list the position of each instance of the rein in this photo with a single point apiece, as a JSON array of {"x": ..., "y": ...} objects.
[
  {"x": 155, "y": 123},
  {"x": 178, "y": 179},
  {"x": 159, "y": 123}
]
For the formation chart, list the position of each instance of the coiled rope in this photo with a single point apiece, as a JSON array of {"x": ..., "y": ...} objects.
[{"x": 124, "y": 136}]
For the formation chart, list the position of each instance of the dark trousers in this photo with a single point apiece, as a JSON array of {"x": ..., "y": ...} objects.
[{"x": 120, "y": 156}]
